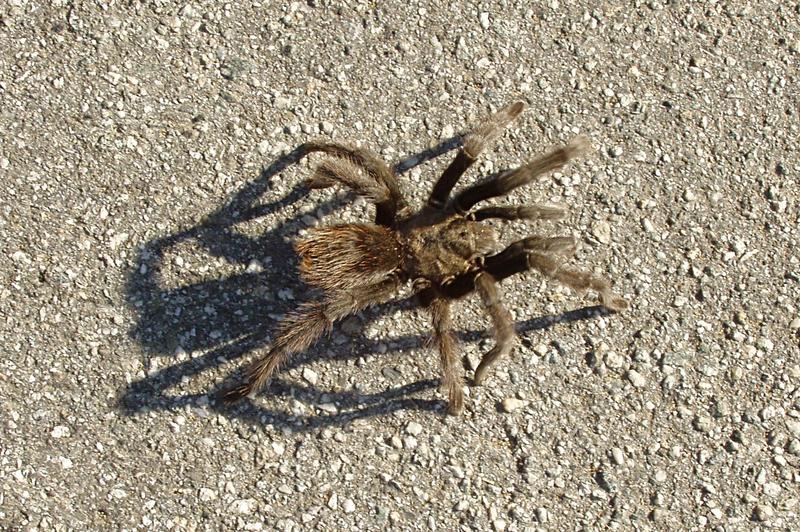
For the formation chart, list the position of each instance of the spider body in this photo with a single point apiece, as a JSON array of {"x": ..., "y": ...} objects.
[
  {"x": 443, "y": 249},
  {"x": 437, "y": 249}
]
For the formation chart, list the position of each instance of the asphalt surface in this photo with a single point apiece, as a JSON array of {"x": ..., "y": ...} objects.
[{"x": 150, "y": 190}]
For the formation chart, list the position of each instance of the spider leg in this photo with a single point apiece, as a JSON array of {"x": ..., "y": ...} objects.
[
  {"x": 303, "y": 327},
  {"x": 578, "y": 280},
  {"x": 545, "y": 254},
  {"x": 345, "y": 172},
  {"x": 474, "y": 143},
  {"x": 452, "y": 378},
  {"x": 377, "y": 170},
  {"x": 537, "y": 211},
  {"x": 503, "y": 330},
  {"x": 511, "y": 179},
  {"x": 542, "y": 254}
]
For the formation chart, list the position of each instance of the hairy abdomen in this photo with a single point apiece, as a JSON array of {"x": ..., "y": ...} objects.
[{"x": 343, "y": 256}]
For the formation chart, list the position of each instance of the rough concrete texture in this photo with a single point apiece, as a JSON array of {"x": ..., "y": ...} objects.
[{"x": 150, "y": 193}]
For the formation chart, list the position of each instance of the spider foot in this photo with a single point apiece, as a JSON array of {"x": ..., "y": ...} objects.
[
  {"x": 233, "y": 395},
  {"x": 612, "y": 301},
  {"x": 455, "y": 405}
]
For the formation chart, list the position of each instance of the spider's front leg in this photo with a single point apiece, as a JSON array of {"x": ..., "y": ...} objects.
[
  {"x": 474, "y": 143},
  {"x": 512, "y": 179},
  {"x": 303, "y": 327},
  {"x": 536, "y": 211}
]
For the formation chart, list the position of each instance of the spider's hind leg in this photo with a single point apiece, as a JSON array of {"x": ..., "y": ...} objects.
[
  {"x": 303, "y": 327},
  {"x": 579, "y": 280},
  {"x": 345, "y": 172},
  {"x": 379, "y": 185}
]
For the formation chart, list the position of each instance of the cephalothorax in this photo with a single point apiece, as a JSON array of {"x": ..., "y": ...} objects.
[{"x": 443, "y": 250}]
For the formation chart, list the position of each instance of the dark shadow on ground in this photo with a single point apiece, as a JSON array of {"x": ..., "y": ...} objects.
[{"x": 225, "y": 319}]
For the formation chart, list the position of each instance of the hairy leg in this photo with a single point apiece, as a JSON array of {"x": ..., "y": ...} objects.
[
  {"x": 474, "y": 143},
  {"x": 508, "y": 181},
  {"x": 303, "y": 327},
  {"x": 546, "y": 255},
  {"x": 452, "y": 378},
  {"x": 376, "y": 169},
  {"x": 503, "y": 329},
  {"x": 578, "y": 280},
  {"x": 348, "y": 174},
  {"x": 537, "y": 211},
  {"x": 514, "y": 259}
]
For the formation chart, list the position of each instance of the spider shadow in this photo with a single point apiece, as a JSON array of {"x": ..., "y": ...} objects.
[{"x": 187, "y": 329}]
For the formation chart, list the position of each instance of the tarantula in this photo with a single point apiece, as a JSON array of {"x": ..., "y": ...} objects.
[{"x": 443, "y": 249}]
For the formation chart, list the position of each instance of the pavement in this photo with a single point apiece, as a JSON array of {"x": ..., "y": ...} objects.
[{"x": 151, "y": 189}]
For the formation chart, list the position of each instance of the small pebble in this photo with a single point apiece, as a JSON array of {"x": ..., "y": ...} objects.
[
  {"x": 636, "y": 378},
  {"x": 793, "y": 447},
  {"x": 763, "y": 512},
  {"x": 794, "y": 427},
  {"x": 602, "y": 232},
  {"x": 767, "y": 413},
  {"x": 310, "y": 376},
  {"x": 60, "y": 431},
  {"x": 614, "y": 360},
  {"x": 21, "y": 257},
  {"x": 772, "y": 489},
  {"x": 703, "y": 424},
  {"x": 617, "y": 455},
  {"x": 333, "y": 501},
  {"x": 510, "y": 404},
  {"x": 329, "y": 408},
  {"x": 254, "y": 267},
  {"x": 285, "y": 294},
  {"x": 414, "y": 428},
  {"x": 278, "y": 448},
  {"x": 207, "y": 494}
]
